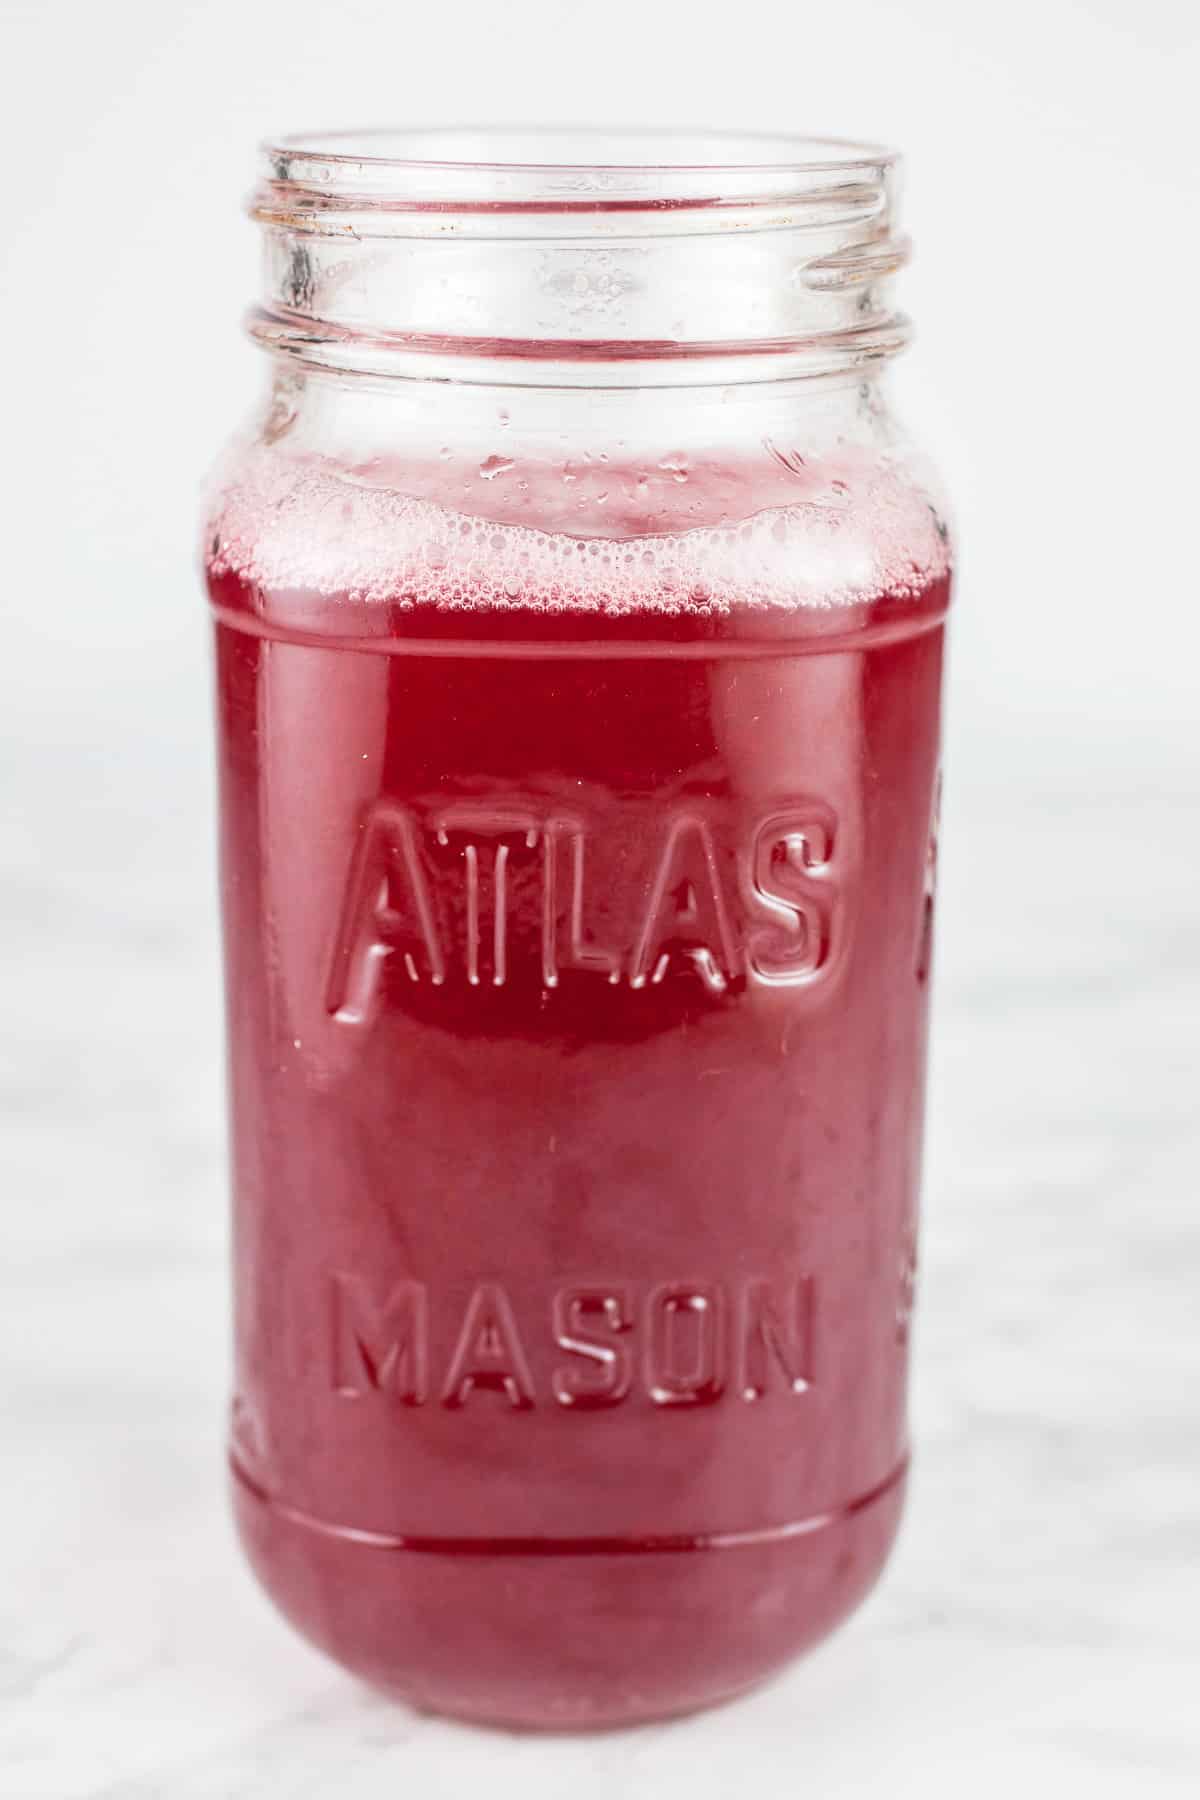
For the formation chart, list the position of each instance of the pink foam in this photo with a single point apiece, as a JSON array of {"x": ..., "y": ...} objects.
[{"x": 496, "y": 533}]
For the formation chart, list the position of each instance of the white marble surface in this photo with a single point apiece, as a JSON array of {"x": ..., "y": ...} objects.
[{"x": 1039, "y": 1622}]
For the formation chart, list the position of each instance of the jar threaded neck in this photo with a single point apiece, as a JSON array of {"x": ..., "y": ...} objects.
[{"x": 589, "y": 258}]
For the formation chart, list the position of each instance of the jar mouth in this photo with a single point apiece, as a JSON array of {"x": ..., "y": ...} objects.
[{"x": 570, "y": 168}]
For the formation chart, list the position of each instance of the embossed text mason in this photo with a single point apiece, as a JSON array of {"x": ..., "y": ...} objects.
[
  {"x": 681, "y": 1343},
  {"x": 578, "y": 607}
]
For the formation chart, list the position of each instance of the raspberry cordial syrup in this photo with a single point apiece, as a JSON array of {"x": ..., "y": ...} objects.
[{"x": 578, "y": 606}]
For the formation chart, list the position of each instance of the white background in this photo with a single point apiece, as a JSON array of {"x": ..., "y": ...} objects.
[{"x": 1034, "y": 1624}]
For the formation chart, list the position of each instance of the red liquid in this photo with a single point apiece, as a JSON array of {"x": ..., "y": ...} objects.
[{"x": 577, "y": 982}]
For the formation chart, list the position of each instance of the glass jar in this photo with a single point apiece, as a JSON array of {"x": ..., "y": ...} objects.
[{"x": 579, "y": 611}]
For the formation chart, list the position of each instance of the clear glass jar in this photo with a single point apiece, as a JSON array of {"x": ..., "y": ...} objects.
[{"x": 579, "y": 612}]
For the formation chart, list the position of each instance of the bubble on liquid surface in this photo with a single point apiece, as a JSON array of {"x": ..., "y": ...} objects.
[{"x": 495, "y": 465}]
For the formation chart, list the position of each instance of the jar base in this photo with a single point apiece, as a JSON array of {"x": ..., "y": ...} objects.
[{"x": 567, "y": 1642}]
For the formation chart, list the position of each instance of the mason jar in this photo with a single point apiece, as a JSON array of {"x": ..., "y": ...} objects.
[{"x": 579, "y": 609}]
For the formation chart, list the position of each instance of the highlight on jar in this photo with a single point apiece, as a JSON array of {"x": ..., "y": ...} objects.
[{"x": 578, "y": 604}]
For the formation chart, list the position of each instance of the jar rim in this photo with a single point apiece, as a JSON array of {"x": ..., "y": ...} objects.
[
  {"x": 794, "y": 151},
  {"x": 570, "y": 167}
]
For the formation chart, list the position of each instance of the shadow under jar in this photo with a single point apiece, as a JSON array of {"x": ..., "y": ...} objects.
[{"x": 579, "y": 610}]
